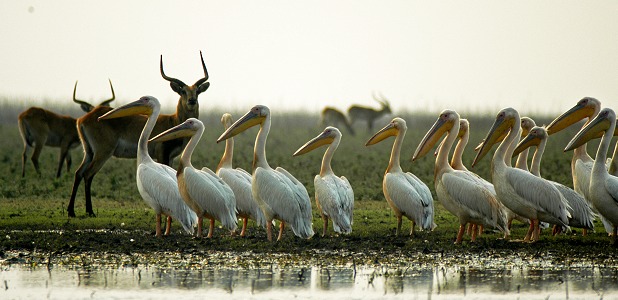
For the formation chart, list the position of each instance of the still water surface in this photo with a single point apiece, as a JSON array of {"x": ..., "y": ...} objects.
[{"x": 318, "y": 281}]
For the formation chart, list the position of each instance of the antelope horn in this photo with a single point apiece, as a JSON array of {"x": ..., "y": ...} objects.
[
  {"x": 170, "y": 79},
  {"x": 202, "y": 80},
  {"x": 106, "y": 102},
  {"x": 85, "y": 106}
]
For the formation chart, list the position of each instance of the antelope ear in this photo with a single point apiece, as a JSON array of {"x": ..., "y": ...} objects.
[
  {"x": 86, "y": 107},
  {"x": 202, "y": 88},
  {"x": 176, "y": 87}
]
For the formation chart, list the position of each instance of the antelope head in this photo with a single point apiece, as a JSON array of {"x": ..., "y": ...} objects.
[
  {"x": 188, "y": 93},
  {"x": 87, "y": 107},
  {"x": 386, "y": 106}
]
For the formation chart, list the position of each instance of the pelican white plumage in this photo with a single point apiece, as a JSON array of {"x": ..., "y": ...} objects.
[
  {"x": 157, "y": 183},
  {"x": 525, "y": 194},
  {"x": 582, "y": 215},
  {"x": 334, "y": 196},
  {"x": 463, "y": 193},
  {"x": 202, "y": 190},
  {"x": 279, "y": 194},
  {"x": 407, "y": 195},
  {"x": 240, "y": 182},
  {"x": 603, "y": 186},
  {"x": 581, "y": 163}
]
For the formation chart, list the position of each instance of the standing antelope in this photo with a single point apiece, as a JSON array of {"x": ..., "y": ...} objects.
[
  {"x": 358, "y": 112},
  {"x": 40, "y": 127},
  {"x": 118, "y": 137},
  {"x": 334, "y": 117}
]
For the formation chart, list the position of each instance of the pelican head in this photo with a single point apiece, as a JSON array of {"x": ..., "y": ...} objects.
[
  {"x": 533, "y": 138},
  {"x": 502, "y": 125},
  {"x": 184, "y": 129},
  {"x": 464, "y": 126},
  {"x": 392, "y": 129},
  {"x": 585, "y": 108},
  {"x": 526, "y": 125},
  {"x": 255, "y": 116},
  {"x": 226, "y": 120},
  {"x": 599, "y": 124},
  {"x": 325, "y": 138},
  {"x": 142, "y": 106},
  {"x": 443, "y": 124}
]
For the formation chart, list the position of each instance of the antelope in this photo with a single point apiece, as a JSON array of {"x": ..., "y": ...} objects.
[
  {"x": 118, "y": 137},
  {"x": 358, "y": 112},
  {"x": 39, "y": 127},
  {"x": 334, "y": 117}
]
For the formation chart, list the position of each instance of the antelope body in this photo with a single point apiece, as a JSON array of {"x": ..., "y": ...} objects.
[
  {"x": 119, "y": 137},
  {"x": 39, "y": 127},
  {"x": 368, "y": 114}
]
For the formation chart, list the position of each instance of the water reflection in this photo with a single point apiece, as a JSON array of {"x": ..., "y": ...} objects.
[{"x": 281, "y": 282}]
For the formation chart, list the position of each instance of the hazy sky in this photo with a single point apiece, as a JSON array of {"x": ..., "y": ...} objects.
[{"x": 536, "y": 56}]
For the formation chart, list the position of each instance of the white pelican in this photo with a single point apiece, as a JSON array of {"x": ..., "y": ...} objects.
[
  {"x": 240, "y": 182},
  {"x": 520, "y": 191},
  {"x": 582, "y": 215},
  {"x": 463, "y": 193},
  {"x": 202, "y": 190},
  {"x": 156, "y": 182},
  {"x": 333, "y": 195},
  {"x": 279, "y": 194},
  {"x": 581, "y": 163},
  {"x": 603, "y": 186},
  {"x": 407, "y": 195}
]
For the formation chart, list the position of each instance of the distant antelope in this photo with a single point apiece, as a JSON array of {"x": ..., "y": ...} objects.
[
  {"x": 334, "y": 117},
  {"x": 118, "y": 137},
  {"x": 40, "y": 127},
  {"x": 359, "y": 113}
]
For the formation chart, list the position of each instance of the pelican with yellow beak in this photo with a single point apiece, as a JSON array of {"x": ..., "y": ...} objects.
[
  {"x": 278, "y": 193},
  {"x": 603, "y": 186},
  {"x": 525, "y": 194},
  {"x": 406, "y": 194},
  {"x": 239, "y": 181},
  {"x": 157, "y": 183},
  {"x": 463, "y": 193},
  {"x": 202, "y": 190},
  {"x": 582, "y": 215},
  {"x": 334, "y": 196}
]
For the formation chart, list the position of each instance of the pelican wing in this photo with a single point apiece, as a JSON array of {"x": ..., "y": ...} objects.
[
  {"x": 582, "y": 215},
  {"x": 349, "y": 204},
  {"x": 473, "y": 196},
  {"x": 408, "y": 194},
  {"x": 334, "y": 196},
  {"x": 582, "y": 177},
  {"x": 240, "y": 183},
  {"x": 539, "y": 192},
  {"x": 287, "y": 199},
  {"x": 611, "y": 184},
  {"x": 159, "y": 188},
  {"x": 214, "y": 196}
]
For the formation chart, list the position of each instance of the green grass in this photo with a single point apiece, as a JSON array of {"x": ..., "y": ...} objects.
[{"x": 33, "y": 209}]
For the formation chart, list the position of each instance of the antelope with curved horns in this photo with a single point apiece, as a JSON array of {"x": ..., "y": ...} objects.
[
  {"x": 39, "y": 127},
  {"x": 359, "y": 113},
  {"x": 118, "y": 137},
  {"x": 333, "y": 117}
]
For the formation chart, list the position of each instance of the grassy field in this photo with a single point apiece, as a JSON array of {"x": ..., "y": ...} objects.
[{"x": 33, "y": 209}]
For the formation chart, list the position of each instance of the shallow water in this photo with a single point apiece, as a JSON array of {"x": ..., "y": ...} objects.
[{"x": 120, "y": 277}]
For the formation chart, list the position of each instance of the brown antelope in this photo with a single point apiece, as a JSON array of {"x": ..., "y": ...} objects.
[
  {"x": 334, "y": 117},
  {"x": 118, "y": 137},
  {"x": 40, "y": 127},
  {"x": 359, "y": 113}
]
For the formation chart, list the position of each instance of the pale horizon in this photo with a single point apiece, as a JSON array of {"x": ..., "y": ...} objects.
[{"x": 472, "y": 56}]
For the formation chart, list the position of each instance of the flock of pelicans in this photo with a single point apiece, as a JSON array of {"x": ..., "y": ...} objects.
[{"x": 189, "y": 194}]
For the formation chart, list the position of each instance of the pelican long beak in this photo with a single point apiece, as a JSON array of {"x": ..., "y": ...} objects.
[
  {"x": 593, "y": 130},
  {"x": 526, "y": 143},
  {"x": 499, "y": 140},
  {"x": 247, "y": 121},
  {"x": 387, "y": 131},
  {"x": 318, "y": 141},
  {"x": 432, "y": 137},
  {"x": 179, "y": 131},
  {"x": 570, "y": 117},
  {"x": 134, "y": 108},
  {"x": 501, "y": 127}
]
